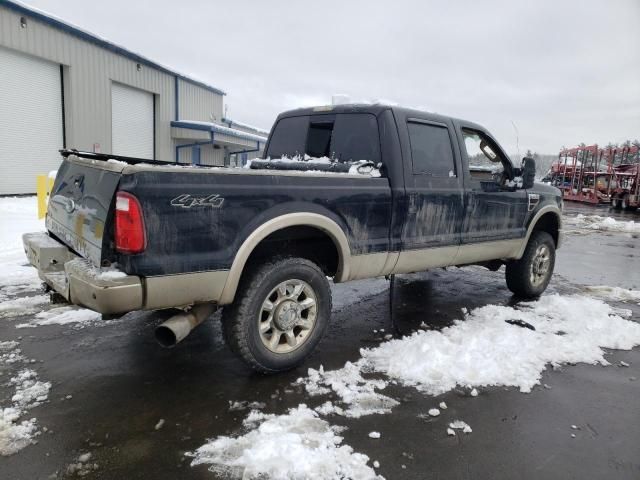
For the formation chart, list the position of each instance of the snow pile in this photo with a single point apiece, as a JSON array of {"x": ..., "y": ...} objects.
[
  {"x": 63, "y": 316},
  {"x": 22, "y": 305},
  {"x": 617, "y": 294},
  {"x": 29, "y": 392},
  {"x": 357, "y": 394},
  {"x": 485, "y": 350},
  {"x": 481, "y": 350},
  {"x": 295, "y": 445},
  {"x": 17, "y": 216},
  {"x": 606, "y": 224}
]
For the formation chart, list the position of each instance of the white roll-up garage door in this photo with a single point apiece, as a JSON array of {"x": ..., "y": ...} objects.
[
  {"x": 30, "y": 120},
  {"x": 131, "y": 121}
]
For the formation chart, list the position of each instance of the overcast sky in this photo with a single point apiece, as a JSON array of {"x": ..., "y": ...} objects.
[{"x": 564, "y": 72}]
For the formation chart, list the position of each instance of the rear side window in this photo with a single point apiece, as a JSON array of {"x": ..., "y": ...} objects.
[
  {"x": 431, "y": 151},
  {"x": 355, "y": 137},
  {"x": 289, "y": 137},
  {"x": 342, "y": 137}
]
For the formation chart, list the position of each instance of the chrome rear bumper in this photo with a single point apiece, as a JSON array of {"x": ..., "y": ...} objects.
[{"x": 79, "y": 281}]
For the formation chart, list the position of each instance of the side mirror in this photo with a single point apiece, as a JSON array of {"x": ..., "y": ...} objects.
[{"x": 528, "y": 172}]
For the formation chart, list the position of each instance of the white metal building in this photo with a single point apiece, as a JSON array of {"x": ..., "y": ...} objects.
[{"x": 62, "y": 87}]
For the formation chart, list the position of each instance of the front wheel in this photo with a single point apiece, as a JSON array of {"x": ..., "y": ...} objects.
[
  {"x": 280, "y": 313},
  {"x": 529, "y": 276}
]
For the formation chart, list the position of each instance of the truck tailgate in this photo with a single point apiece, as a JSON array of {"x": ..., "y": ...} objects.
[{"x": 80, "y": 202}]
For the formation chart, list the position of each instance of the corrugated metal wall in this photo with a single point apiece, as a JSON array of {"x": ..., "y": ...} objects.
[
  {"x": 198, "y": 104},
  {"x": 88, "y": 73}
]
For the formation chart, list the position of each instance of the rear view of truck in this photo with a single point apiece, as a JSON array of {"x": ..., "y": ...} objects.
[{"x": 89, "y": 223}]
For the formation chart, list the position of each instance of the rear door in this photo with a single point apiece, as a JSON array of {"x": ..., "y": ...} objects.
[
  {"x": 79, "y": 205},
  {"x": 435, "y": 209}
]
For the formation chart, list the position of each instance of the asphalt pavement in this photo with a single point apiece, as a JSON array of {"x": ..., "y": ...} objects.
[{"x": 112, "y": 385}]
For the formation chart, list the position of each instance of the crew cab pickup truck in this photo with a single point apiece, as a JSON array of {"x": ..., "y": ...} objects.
[{"x": 262, "y": 242}]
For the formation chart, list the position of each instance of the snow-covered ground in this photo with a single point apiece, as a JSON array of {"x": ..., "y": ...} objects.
[
  {"x": 490, "y": 346},
  {"x": 597, "y": 222},
  {"x": 20, "y": 296}
]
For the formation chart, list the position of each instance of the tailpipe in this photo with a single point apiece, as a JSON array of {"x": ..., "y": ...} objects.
[{"x": 176, "y": 329}]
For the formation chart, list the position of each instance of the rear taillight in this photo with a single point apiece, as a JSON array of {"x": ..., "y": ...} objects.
[{"x": 130, "y": 235}]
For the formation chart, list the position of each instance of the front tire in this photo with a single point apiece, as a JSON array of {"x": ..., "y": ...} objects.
[
  {"x": 530, "y": 276},
  {"x": 279, "y": 315}
]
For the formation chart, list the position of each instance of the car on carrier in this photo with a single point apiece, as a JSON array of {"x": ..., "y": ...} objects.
[{"x": 343, "y": 193}]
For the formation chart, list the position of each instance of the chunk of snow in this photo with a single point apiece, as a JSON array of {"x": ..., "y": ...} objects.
[
  {"x": 574, "y": 427},
  {"x": 159, "y": 425},
  {"x": 623, "y": 363},
  {"x": 63, "y": 316},
  {"x": 244, "y": 405},
  {"x": 474, "y": 393},
  {"x": 22, "y": 305},
  {"x": 443, "y": 405},
  {"x": 374, "y": 434},
  {"x": 460, "y": 425},
  {"x": 451, "y": 431},
  {"x": 295, "y": 445},
  {"x": 356, "y": 392},
  {"x": 29, "y": 393},
  {"x": 376, "y": 464},
  {"x": 434, "y": 412}
]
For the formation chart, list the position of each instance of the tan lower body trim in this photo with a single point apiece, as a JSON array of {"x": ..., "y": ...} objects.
[
  {"x": 177, "y": 290},
  {"x": 481, "y": 252},
  {"x": 372, "y": 265}
]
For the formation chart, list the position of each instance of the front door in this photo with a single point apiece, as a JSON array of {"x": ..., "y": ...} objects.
[
  {"x": 434, "y": 198},
  {"x": 495, "y": 211}
]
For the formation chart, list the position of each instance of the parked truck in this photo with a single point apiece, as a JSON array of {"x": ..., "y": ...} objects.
[{"x": 127, "y": 234}]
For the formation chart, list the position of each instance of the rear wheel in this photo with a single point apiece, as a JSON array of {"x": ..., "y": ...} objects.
[
  {"x": 529, "y": 276},
  {"x": 280, "y": 313}
]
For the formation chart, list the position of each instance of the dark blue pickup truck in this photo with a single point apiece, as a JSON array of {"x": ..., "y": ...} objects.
[{"x": 128, "y": 234}]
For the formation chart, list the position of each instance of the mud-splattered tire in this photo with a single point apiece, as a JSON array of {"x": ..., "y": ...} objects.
[
  {"x": 280, "y": 313},
  {"x": 529, "y": 276}
]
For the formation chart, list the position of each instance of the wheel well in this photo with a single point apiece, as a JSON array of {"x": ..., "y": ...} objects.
[
  {"x": 548, "y": 223},
  {"x": 299, "y": 241}
]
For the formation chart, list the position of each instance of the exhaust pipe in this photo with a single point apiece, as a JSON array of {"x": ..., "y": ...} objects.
[{"x": 174, "y": 330}]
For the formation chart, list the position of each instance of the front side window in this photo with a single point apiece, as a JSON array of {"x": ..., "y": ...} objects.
[
  {"x": 431, "y": 151},
  {"x": 485, "y": 160}
]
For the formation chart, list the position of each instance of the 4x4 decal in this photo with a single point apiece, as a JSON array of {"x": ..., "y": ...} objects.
[{"x": 187, "y": 201}]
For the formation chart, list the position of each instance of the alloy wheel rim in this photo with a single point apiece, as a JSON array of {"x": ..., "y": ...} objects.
[
  {"x": 540, "y": 265},
  {"x": 287, "y": 316}
]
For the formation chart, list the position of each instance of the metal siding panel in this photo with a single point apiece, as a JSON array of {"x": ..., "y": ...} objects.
[
  {"x": 30, "y": 120},
  {"x": 88, "y": 80}
]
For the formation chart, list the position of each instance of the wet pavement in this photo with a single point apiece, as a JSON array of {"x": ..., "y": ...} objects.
[{"x": 122, "y": 384}]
